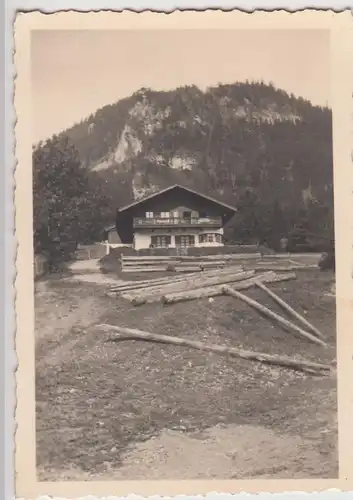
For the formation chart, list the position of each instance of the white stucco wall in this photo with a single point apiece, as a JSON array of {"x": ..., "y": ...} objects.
[{"x": 142, "y": 239}]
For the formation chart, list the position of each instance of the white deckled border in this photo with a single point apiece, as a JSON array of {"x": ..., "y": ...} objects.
[{"x": 342, "y": 87}]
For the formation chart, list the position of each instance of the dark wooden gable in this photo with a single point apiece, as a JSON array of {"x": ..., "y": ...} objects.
[{"x": 169, "y": 200}]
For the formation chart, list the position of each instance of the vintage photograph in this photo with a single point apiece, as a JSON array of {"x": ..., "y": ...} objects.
[
  {"x": 179, "y": 251},
  {"x": 184, "y": 255}
]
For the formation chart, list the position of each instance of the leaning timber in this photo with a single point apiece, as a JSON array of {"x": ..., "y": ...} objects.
[
  {"x": 133, "y": 334},
  {"x": 265, "y": 310},
  {"x": 290, "y": 309}
]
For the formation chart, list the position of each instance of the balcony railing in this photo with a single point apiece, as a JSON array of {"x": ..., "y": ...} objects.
[{"x": 177, "y": 221}]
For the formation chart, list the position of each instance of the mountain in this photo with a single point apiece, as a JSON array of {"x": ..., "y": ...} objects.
[{"x": 229, "y": 141}]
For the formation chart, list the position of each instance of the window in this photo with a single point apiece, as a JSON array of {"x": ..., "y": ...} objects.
[
  {"x": 149, "y": 215},
  {"x": 161, "y": 240},
  {"x": 187, "y": 215},
  {"x": 210, "y": 238},
  {"x": 165, "y": 215},
  {"x": 185, "y": 240}
]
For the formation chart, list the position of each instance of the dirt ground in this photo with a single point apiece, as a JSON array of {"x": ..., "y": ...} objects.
[{"x": 137, "y": 410}]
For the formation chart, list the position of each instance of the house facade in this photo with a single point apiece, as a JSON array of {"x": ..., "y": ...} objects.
[{"x": 174, "y": 217}]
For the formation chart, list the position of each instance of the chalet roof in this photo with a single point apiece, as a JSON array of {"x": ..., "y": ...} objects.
[{"x": 177, "y": 186}]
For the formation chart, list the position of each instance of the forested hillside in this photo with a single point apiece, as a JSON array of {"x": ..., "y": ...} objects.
[{"x": 249, "y": 144}]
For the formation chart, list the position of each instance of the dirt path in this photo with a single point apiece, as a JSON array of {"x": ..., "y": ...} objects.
[
  {"x": 88, "y": 271},
  {"x": 62, "y": 313}
]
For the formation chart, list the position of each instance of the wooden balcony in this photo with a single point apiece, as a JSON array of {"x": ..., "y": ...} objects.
[{"x": 153, "y": 222}]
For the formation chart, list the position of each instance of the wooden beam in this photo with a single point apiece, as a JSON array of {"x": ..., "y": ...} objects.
[
  {"x": 280, "y": 268},
  {"x": 192, "y": 283},
  {"x": 290, "y": 309},
  {"x": 173, "y": 278},
  {"x": 133, "y": 334},
  {"x": 265, "y": 310},
  {"x": 214, "y": 291},
  {"x": 183, "y": 258}
]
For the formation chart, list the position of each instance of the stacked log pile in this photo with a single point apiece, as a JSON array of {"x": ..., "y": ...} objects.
[
  {"x": 231, "y": 280},
  {"x": 206, "y": 278},
  {"x": 180, "y": 288},
  {"x": 191, "y": 288}
]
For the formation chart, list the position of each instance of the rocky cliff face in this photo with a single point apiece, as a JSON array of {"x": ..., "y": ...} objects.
[{"x": 231, "y": 138}]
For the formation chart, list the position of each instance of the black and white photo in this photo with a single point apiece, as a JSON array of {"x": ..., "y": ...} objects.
[{"x": 183, "y": 251}]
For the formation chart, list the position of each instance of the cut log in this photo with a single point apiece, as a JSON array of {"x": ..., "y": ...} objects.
[
  {"x": 199, "y": 267},
  {"x": 153, "y": 294},
  {"x": 130, "y": 285},
  {"x": 175, "y": 277},
  {"x": 163, "y": 268},
  {"x": 148, "y": 263},
  {"x": 161, "y": 258},
  {"x": 295, "y": 364},
  {"x": 209, "y": 264},
  {"x": 199, "y": 262},
  {"x": 150, "y": 258},
  {"x": 279, "y": 268},
  {"x": 189, "y": 284},
  {"x": 295, "y": 263},
  {"x": 137, "y": 270},
  {"x": 246, "y": 256},
  {"x": 214, "y": 291},
  {"x": 290, "y": 309},
  {"x": 125, "y": 284},
  {"x": 265, "y": 310},
  {"x": 145, "y": 283},
  {"x": 292, "y": 256},
  {"x": 198, "y": 293},
  {"x": 183, "y": 258}
]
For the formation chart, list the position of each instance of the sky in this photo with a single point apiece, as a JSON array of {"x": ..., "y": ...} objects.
[{"x": 74, "y": 73}]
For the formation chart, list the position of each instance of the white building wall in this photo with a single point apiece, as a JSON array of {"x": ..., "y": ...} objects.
[{"x": 142, "y": 239}]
